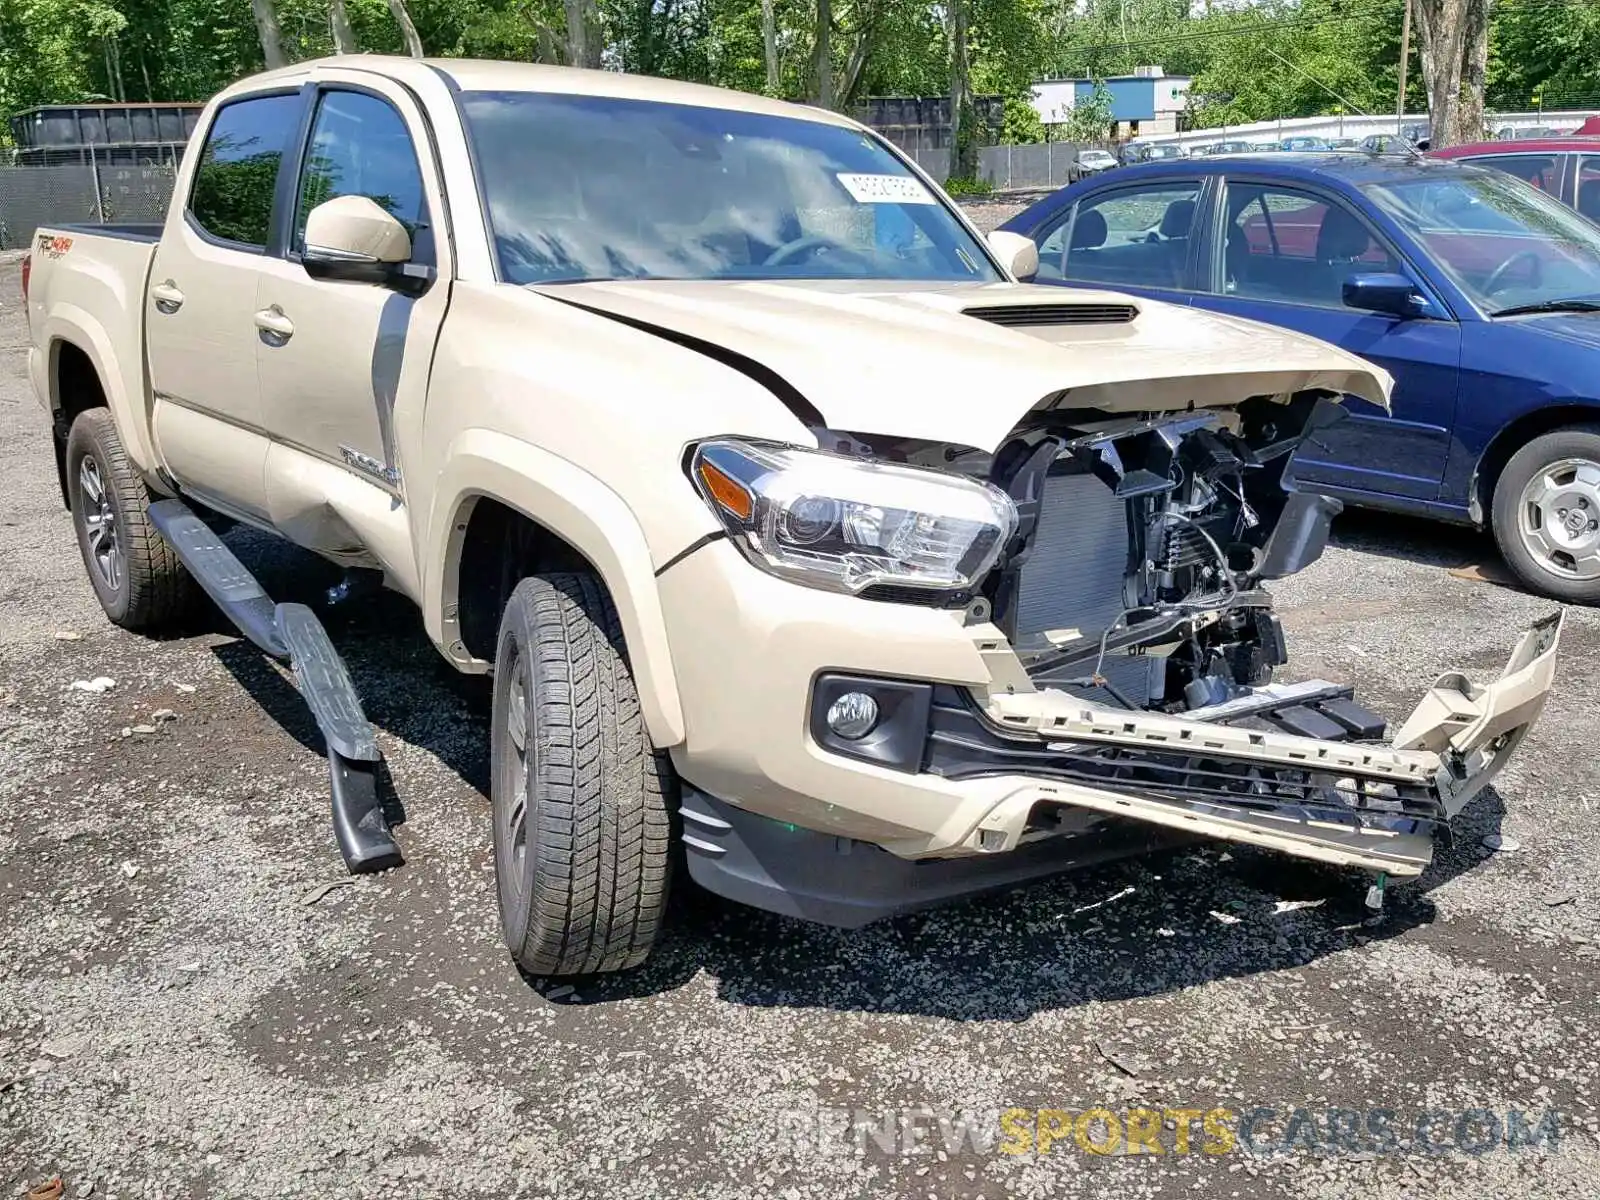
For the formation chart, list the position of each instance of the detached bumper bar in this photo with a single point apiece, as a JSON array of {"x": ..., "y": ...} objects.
[{"x": 1355, "y": 804}]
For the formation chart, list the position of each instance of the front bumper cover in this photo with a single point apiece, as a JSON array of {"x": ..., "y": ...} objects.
[{"x": 1350, "y": 803}]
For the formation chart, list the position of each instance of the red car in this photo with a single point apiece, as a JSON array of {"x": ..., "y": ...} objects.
[{"x": 1568, "y": 168}]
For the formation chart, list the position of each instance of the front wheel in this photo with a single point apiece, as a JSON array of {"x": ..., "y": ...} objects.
[
  {"x": 581, "y": 798},
  {"x": 1546, "y": 514}
]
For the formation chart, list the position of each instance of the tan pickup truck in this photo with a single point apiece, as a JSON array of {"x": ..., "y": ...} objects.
[{"x": 804, "y": 543}]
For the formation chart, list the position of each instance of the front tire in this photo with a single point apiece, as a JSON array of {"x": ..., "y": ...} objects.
[
  {"x": 581, "y": 798},
  {"x": 137, "y": 578},
  {"x": 1546, "y": 514}
]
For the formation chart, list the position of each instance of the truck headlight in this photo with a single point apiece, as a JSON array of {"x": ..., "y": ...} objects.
[{"x": 847, "y": 524}]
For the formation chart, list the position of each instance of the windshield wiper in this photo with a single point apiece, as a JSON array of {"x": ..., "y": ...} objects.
[{"x": 1573, "y": 305}]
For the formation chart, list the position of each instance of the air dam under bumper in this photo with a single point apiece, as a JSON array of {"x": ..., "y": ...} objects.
[{"x": 1095, "y": 784}]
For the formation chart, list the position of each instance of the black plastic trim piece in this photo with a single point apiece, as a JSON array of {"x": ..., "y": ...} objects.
[
  {"x": 775, "y": 866},
  {"x": 698, "y": 544},
  {"x": 359, "y": 824},
  {"x": 786, "y": 392},
  {"x": 963, "y": 744}
]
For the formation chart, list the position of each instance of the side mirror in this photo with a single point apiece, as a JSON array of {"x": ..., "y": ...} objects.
[
  {"x": 354, "y": 238},
  {"x": 1385, "y": 293},
  {"x": 1016, "y": 253}
]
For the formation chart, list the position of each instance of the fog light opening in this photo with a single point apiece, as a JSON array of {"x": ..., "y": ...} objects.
[{"x": 853, "y": 715}]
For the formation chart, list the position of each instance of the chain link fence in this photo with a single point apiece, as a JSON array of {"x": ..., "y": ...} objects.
[
  {"x": 1026, "y": 168},
  {"x": 100, "y": 193},
  {"x": 72, "y": 193}
]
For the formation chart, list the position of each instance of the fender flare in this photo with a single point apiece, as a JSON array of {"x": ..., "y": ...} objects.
[
  {"x": 68, "y": 324},
  {"x": 574, "y": 505}
]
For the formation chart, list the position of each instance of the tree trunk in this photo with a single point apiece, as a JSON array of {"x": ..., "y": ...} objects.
[
  {"x": 408, "y": 27},
  {"x": 266, "y": 14},
  {"x": 344, "y": 37},
  {"x": 1474, "y": 70},
  {"x": 583, "y": 39},
  {"x": 963, "y": 151},
  {"x": 822, "y": 55},
  {"x": 866, "y": 40},
  {"x": 1443, "y": 25},
  {"x": 769, "y": 46},
  {"x": 116, "y": 71}
]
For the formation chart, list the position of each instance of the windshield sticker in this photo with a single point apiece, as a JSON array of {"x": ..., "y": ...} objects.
[{"x": 885, "y": 189}]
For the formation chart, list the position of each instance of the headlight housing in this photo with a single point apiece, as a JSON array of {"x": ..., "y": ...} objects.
[{"x": 847, "y": 524}]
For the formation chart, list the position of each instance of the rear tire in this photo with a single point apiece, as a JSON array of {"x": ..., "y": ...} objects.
[
  {"x": 581, "y": 798},
  {"x": 135, "y": 575},
  {"x": 1546, "y": 514}
]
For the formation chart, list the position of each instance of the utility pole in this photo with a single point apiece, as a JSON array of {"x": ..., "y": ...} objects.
[{"x": 1405, "y": 60}]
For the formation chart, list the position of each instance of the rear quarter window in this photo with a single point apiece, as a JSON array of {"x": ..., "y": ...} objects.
[{"x": 231, "y": 200}]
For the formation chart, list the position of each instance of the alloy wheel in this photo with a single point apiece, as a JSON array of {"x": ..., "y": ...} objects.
[{"x": 100, "y": 523}]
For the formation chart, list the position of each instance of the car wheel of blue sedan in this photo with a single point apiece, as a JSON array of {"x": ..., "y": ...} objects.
[{"x": 1547, "y": 514}]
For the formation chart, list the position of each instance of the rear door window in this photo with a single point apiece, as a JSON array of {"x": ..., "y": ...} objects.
[
  {"x": 1588, "y": 196},
  {"x": 1133, "y": 237},
  {"x": 1543, "y": 171},
  {"x": 231, "y": 200}
]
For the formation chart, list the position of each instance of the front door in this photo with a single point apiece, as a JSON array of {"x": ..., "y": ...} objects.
[
  {"x": 334, "y": 355},
  {"x": 1285, "y": 256},
  {"x": 201, "y": 296}
]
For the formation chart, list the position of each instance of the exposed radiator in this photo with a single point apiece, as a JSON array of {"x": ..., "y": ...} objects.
[{"x": 1074, "y": 580}]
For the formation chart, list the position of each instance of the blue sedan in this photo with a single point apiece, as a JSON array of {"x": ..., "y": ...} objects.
[{"x": 1480, "y": 295}]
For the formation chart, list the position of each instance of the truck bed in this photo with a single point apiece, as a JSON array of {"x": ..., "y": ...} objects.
[
  {"x": 131, "y": 231},
  {"x": 87, "y": 287}
]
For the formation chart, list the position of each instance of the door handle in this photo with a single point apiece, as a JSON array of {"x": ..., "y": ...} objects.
[
  {"x": 167, "y": 297},
  {"x": 275, "y": 325}
]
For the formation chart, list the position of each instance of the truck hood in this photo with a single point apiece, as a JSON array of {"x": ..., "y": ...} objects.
[{"x": 912, "y": 360}]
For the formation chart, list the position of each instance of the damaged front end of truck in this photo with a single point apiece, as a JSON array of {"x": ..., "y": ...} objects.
[{"x": 1135, "y": 676}]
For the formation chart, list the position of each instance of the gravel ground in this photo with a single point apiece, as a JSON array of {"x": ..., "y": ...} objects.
[{"x": 186, "y": 1009}]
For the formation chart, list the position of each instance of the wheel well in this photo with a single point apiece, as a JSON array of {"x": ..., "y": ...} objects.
[
  {"x": 1513, "y": 438},
  {"x": 76, "y": 388},
  {"x": 500, "y": 548},
  {"x": 77, "y": 383}
]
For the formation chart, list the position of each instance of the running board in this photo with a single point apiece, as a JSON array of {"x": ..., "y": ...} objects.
[{"x": 293, "y": 633}]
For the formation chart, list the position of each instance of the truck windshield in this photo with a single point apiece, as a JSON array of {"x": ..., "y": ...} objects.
[{"x": 591, "y": 187}]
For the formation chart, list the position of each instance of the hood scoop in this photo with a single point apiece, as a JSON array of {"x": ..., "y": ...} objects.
[{"x": 1025, "y": 316}]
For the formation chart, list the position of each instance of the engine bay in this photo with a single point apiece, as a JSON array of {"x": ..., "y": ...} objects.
[{"x": 1136, "y": 574}]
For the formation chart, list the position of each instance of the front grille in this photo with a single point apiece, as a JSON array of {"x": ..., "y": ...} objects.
[{"x": 1026, "y": 315}]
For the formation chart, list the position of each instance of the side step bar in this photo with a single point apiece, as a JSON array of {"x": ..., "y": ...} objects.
[{"x": 292, "y": 632}]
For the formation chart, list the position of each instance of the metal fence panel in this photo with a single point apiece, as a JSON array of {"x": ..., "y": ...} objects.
[
  {"x": 1035, "y": 167},
  {"x": 70, "y": 195},
  {"x": 34, "y": 196}
]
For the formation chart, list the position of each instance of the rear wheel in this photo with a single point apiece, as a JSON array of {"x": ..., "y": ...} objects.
[
  {"x": 1547, "y": 514},
  {"x": 136, "y": 577},
  {"x": 580, "y": 796}
]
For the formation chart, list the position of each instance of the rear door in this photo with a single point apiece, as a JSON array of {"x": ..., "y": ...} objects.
[
  {"x": 1282, "y": 257},
  {"x": 201, "y": 337},
  {"x": 1137, "y": 238}
]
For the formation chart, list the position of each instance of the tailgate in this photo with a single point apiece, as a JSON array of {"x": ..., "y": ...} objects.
[{"x": 1354, "y": 804}]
